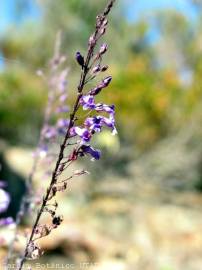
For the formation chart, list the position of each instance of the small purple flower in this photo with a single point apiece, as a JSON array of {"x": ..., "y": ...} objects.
[
  {"x": 100, "y": 107},
  {"x": 62, "y": 83},
  {"x": 110, "y": 122},
  {"x": 42, "y": 151},
  {"x": 4, "y": 200},
  {"x": 49, "y": 132},
  {"x": 87, "y": 149},
  {"x": 2, "y": 184},
  {"x": 62, "y": 125},
  {"x": 6, "y": 221},
  {"x": 94, "y": 123},
  {"x": 97, "y": 122},
  {"x": 88, "y": 102},
  {"x": 62, "y": 109},
  {"x": 63, "y": 97},
  {"x": 83, "y": 133}
]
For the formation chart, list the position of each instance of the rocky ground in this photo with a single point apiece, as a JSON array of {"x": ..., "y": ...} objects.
[{"x": 122, "y": 224}]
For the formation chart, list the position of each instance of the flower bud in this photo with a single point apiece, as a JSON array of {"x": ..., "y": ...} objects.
[
  {"x": 96, "y": 69},
  {"x": 107, "y": 81},
  {"x": 105, "y": 22},
  {"x": 104, "y": 68},
  {"x": 91, "y": 41},
  {"x": 95, "y": 90},
  {"x": 80, "y": 59},
  {"x": 102, "y": 31},
  {"x": 103, "y": 48}
]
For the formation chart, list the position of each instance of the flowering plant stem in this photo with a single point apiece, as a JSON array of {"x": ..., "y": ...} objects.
[
  {"x": 72, "y": 118},
  {"x": 29, "y": 182}
]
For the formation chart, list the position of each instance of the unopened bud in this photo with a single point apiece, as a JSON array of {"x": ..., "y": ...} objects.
[
  {"x": 104, "y": 68},
  {"x": 105, "y": 22},
  {"x": 96, "y": 69},
  {"x": 95, "y": 91},
  {"x": 80, "y": 59},
  {"x": 107, "y": 81},
  {"x": 102, "y": 31},
  {"x": 103, "y": 48},
  {"x": 91, "y": 41}
]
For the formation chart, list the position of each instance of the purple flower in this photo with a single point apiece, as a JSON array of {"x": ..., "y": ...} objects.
[
  {"x": 2, "y": 184},
  {"x": 100, "y": 107},
  {"x": 97, "y": 122},
  {"x": 62, "y": 83},
  {"x": 87, "y": 102},
  {"x": 63, "y": 97},
  {"x": 62, "y": 109},
  {"x": 94, "y": 123},
  {"x": 6, "y": 221},
  {"x": 4, "y": 200},
  {"x": 42, "y": 151},
  {"x": 49, "y": 132},
  {"x": 83, "y": 133},
  {"x": 62, "y": 125},
  {"x": 87, "y": 149}
]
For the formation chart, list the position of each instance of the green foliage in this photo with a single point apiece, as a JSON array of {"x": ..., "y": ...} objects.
[{"x": 21, "y": 106}]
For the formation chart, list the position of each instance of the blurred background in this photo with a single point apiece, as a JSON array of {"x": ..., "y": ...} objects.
[{"x": 140, "y": 208}]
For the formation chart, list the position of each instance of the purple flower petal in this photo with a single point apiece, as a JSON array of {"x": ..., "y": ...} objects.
[
  {"x": 62, "y": 109},
  {"x": 87, "y": 102},
  {"x": 49, "y": 132},
  {"x": 4, "y": 200},
  {"x": 83, "y": 133},
  {"x": 87, "y": 149},
  {"x": 6, "y": 221},
  {"x": 97, "y": 122},
  {"x": 100, "y": 107}
]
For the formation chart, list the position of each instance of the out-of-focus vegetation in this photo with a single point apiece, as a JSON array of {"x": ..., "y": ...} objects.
[{"x": 156, "y": 65}]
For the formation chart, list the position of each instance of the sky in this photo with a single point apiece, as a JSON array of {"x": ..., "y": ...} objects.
[
  {"x": 7, "y": 13},
  {"x": 140, "y": 8},
  {"x": 136, "y": 9}
]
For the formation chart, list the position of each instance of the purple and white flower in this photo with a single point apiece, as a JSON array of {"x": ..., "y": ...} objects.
[
  {"x": 4, "y": 200},
  {"x": 83, "y": 133},
  {"x": 87, "y": 149},
  {"x": 87, "y": 102},
  {"x": 62, "y": 125},
  {"x": 97, "y": 122},
  {"x": 100, "y": 107},
  {"x": 6, "y": 221}
]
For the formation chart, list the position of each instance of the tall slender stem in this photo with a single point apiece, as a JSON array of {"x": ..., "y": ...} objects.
[{"x": 80, "y": 89}]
